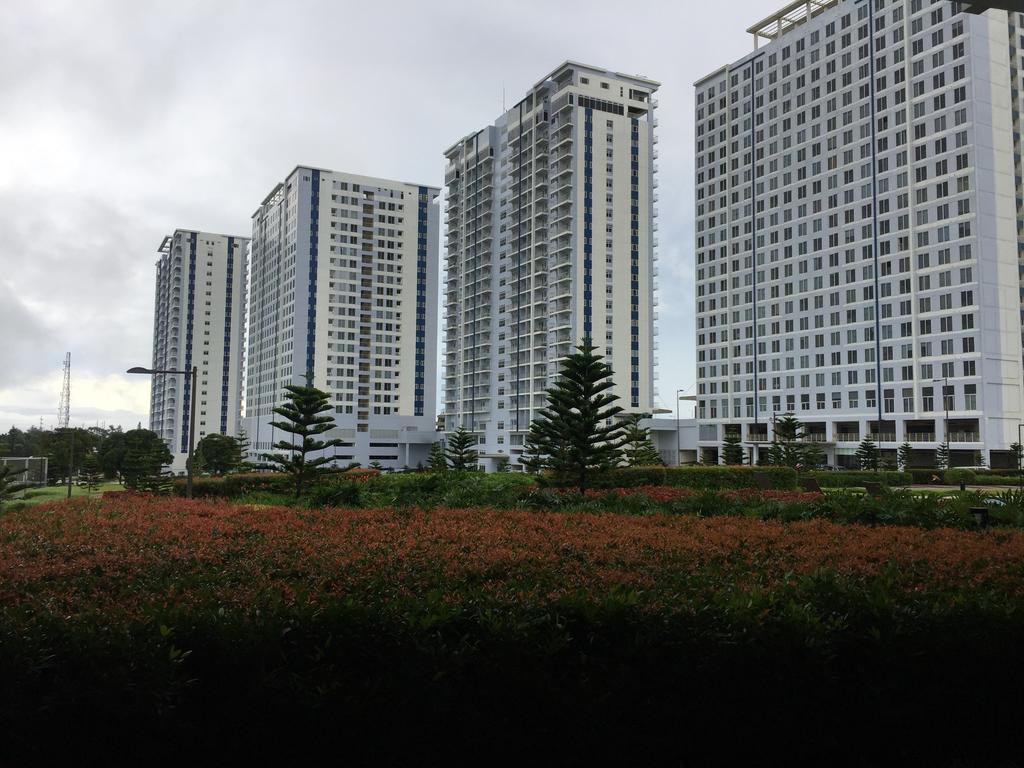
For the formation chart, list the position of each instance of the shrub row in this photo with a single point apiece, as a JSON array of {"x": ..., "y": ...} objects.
[
  {"x": 857, "y": 478},
  {"x": 204, "y": 631},
  {"x": 700, "y": 478}
]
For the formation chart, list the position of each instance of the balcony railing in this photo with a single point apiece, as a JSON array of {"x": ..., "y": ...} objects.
[
  {"x": 847, "y": 437},
  {"x": 964, "y": 437},
  {"x": 921, "y": 437}
]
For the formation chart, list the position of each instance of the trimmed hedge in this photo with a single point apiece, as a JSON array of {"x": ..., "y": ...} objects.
[
  {"x": 700, "y": 478},
  {"x": 857, "y": 478}
]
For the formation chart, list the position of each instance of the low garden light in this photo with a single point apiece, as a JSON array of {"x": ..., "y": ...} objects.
[{"x": 980, "y": 515}]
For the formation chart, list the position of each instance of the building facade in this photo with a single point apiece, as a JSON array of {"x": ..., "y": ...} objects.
[
  {"x": 858, "y": 187},
  {"x": 550, "y": 239},
  {"x": 199, "y": 320},
  {"x": 343, "y": 289}
]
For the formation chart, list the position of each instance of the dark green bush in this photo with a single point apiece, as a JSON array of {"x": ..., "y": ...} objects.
[
  {"x": 856, "y": 478},
  {"x": 956, "y": 476},
  {"x": 698, "y": 478}
]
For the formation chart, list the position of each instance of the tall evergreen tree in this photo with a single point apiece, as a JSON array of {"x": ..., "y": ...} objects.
[
  {"x": 243, "y": 451},
  {"x": 437, "y": 462},
  {"x": 637, "y": 448},
  {"x": 787, "y": 448},
  {"x": 732, "y": 449},
  {"x": 867, "y": 454},
  {"x": 143, "y": 466},
  {"x": 942, "y": 456},
  {"x": 1018, "y": 454},
  {"x": 460, "y": 453},
  {"x": 303, "y": 416},
  {"x": 577, "y": 434},
  {"x": 90, "y": 475},
  {"x": 903, "y": 456}
]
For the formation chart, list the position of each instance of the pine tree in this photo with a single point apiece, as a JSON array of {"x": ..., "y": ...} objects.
[
  {"x": 243, "y": 451},
  {"x": 942, "y": 456},
  {"x": 732, "y": 449},
  {"x": 302, "y": 418},
  {"x": 814, "y": 456},
  {"x": 867, "y": 454},
  {"x": 460, "y": 453},
  {"x": 437, "y": 462},
  {"x": 1018, "y": 454},
  {"x": 532, "y": 457},
  {"x": 9, "y": 485},
  {"x": 787, "y": 448},
  {"x": 903, "y": 456},
  {"x": 637, "y": 448},
  {"x": 90, "y": 475},
  {"x": 143, "y": 469},
  {"x": 577, "y": 434}
]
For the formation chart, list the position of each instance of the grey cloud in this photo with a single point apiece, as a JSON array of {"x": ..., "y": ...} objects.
[{"x": 124, "y": 120}]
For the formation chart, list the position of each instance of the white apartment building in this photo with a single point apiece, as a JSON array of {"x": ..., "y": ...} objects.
[
  {"x": 858, "y": 210},
  {"x": 198, "y": 321},
  {"x": 343, "y": 286},
  {"x": 550, "y": 238}
]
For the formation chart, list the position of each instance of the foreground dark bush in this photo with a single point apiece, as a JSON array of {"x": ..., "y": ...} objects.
[{"x": 140, "y": 631}]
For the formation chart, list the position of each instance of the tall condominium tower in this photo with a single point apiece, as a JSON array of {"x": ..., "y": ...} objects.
[
  {"x": 199, "y": 321},
  {"x": 343, "y": 288},
  {"x": 550, "y": 240},
  {"x": 858, "y": 187}
]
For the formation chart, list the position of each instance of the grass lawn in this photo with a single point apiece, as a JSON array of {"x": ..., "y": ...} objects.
[{"x": 58, "y": 492}]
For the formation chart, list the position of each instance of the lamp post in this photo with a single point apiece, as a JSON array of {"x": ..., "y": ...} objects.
[{"x": 191, "y": 420}]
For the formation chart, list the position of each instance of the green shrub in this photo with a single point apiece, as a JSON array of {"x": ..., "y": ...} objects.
[
  {"x": 698, "y": 478},
  {"x": 957, "y": 476},
  {"x": 856, "y": 478}
]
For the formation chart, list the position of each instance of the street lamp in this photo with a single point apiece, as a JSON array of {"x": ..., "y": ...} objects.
[
  {"x": 1020, "y": 463},
  {"x": 191, "y": 421}
]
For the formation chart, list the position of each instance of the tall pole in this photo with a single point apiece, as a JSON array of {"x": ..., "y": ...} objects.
[
  {"x": 71, "y": 462},
  {"x": 191, "y": 435},
  {"x": 679, "y": 439}
]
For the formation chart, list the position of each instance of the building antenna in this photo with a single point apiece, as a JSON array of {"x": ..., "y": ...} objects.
[{"x": 64, "y": 409}]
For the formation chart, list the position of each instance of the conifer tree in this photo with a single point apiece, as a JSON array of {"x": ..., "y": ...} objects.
[
  {"x": 460, "y": 453},
  {"x": 577, "y": 434},
  {"x": 787, "y": 448},
  {"x": 437, "y": 462},
  {"x": 90, "y": 474},
  {"x": 942, "y": 456},
  {"x": 637, "y": 448},
  {"x": 303, "y": 416},
  {"x": 867, "y": 454},
  {"x": 732, "y": 449},
  {"x": 903, "y": 455}
]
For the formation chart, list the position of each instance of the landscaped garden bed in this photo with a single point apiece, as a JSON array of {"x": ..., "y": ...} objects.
[{"x": 148, "y": 629}]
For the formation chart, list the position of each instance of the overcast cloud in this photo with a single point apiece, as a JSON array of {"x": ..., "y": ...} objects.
[{"x": 121, "y": 121}]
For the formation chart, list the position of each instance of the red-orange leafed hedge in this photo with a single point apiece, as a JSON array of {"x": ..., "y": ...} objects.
[
  {"x": 206, "y": 631},
  {"x": 135, "y": 550}
]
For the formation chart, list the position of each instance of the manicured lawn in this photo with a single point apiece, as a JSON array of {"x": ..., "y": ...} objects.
[
  {"x": 58, "y": 492},
  {"x": 393, "y": 636}
]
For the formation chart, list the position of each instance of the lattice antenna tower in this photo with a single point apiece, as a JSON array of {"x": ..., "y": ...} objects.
[{"x": 64, "y": 409}]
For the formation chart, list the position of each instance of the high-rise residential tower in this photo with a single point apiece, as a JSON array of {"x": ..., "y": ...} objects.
[
  {"x": 343, "y": 289},
  {"x": 550, "y": 236},
  {"x": 858, "y": 187},
  {"x": 199, "y": 321}
]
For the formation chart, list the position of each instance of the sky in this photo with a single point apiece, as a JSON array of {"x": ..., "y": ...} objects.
[{"x": 124, "y": 120}]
